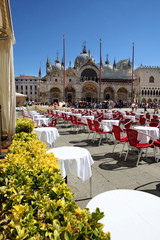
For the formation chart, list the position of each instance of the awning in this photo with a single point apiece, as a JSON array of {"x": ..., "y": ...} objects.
[{"x": 7, "y": 82}]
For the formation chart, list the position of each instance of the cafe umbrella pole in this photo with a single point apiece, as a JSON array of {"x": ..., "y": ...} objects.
[{"x": 2, "y": 155}]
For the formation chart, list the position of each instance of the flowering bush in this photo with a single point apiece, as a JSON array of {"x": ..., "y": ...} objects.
[
  {"x": 36, "y": 202},
  {"x": 24, "y": 125}
]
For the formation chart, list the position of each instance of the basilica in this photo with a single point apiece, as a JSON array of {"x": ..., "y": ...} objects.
[{"x": 87, "y": 80}]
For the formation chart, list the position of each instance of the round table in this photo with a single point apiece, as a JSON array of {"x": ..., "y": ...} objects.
[
  {"x": 107, "y": 124},
  {"x": 84, "y": 119},
  {"x": 41, "y": 121},
  {"x": 48, "y": 135},
  {"x": 74, "y": 160},
  {"x": 129, "y": 214},
  {"x": 149, "y": 133}
]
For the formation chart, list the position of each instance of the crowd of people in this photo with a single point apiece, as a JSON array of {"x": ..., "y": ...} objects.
[{"x": 103, "y": 105}]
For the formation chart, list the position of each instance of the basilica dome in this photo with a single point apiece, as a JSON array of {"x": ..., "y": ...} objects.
[
  {"x": 107, "y": 66},
  {"x": 57, "y": 65},
  {"x": 82, "y": 58}
]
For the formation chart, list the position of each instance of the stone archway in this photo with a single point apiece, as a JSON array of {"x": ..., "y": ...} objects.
[
  {"x": 89, "y": 93},
  {"x": 149, "y": 100},
  {"x": 144, "y": 100},
  {"x": 109, "y": 94},
  {"x": 122, "y": 94},
  {"x": 70, "y": 94},
  {"x": 55, "y": 94}
]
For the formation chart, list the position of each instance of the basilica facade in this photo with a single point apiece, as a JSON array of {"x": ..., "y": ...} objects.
[{"x": 86, "y": 81}]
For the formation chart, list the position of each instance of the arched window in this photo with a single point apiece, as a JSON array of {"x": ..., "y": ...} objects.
[
  {"x": 142, "y": 92},
  {"x": 151, "y": 79}
]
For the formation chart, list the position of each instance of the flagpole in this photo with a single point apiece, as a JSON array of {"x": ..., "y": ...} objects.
[
  {"x": 64, "y": 67},
  {"x": 132, "y": 72},
  {"x": 100, "y": 72}
]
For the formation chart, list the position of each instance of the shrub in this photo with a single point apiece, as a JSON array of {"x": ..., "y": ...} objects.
[
  {"x": 24, "y": 125},
  {"x": 36, "y": 202}
]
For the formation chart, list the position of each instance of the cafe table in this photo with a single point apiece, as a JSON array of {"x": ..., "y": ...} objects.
[
  {"x": 84, "y": 118},
  {"x": 107, "y": 125},
  {"x": 129, "y": 214},
  {"x": 76, "y": 161},
  {"x": 150, "y": 133},
  {"x": 41, "y": 121},
  {"x": 48, "y": 135}
]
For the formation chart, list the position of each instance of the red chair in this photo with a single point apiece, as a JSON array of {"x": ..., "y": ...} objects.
[
  {"x": 99, "y": 130},
  {"x": 155, "y": 117},
  {"x": 77, "y": 122},
  {"x": 118, "y": 138},
  {"x": 142, "y": 121},
  {"x": 127, "y": 123},
  {"x": 53, "y": 123},
  {"x": 91, "y": 127},
  {"x": 72, "y": 121},
  {"x": 132, "y": 135},
  {"x": 154, "y": 124},
  {"x": 156, "y": 144},
  {"x": 148, "y": 116}
]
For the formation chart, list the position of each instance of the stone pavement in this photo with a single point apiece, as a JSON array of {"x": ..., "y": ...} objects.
[{"x": 109, "y": 171}]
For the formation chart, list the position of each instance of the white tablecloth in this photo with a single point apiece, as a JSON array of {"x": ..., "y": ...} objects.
[
  {"x": 84, "y": 118},
  {"x": 48, "y": 135},
  {"x": 74, "y": 160},
  {"x": 78, "y": 115},
  {"x": 133, "y": 118},
  {"x": 107, "y": 124},
  {"x": 35, "y": 117},
  {"x": 129, "y": 214},
  {"x": 41, "y": 121},
  {"x": 151, "y": 131},
  {"x": 108, "y": 115}
]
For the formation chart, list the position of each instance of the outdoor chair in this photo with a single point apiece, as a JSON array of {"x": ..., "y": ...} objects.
[
  {"x": 91, "y": 127},
  {"x": 78, "y": 122},
  {"x": 100, "y": 131},
  {"x": 132, "y": 135},
  {"x": 118, "y": 138}
]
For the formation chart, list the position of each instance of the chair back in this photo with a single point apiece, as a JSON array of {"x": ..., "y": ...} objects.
[
  {"x": 155, "y": 121},
  {"x": 153, "y": 124},
  {"x": 127, "y": 123},
  {"x": 117, "y": 132},
  {"x": 72, "y": 120},
  {"x": 148, "y": 116},
  {"x": 155, "y": 117},
  {"x": 54, "y": 122},
  {"x": 96, "y": 125},
  {"x": 142, "y": 121},
  {"x": 89, "y": 121},
  {"x": 132, "y": 135}
]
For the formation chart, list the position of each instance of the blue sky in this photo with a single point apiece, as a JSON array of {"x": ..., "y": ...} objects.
[{"x": 39, "y": 27}]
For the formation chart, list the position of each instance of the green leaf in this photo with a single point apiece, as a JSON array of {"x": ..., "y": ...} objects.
[{"x": 56, "y": 235}]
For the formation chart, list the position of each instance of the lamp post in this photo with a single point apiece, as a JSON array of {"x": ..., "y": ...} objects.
[
  {"x": 100, "y": 72},
  {"x": 132, "y": 97}
]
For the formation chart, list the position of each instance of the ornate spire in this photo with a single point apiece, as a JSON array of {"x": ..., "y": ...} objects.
[
  {"x": 84, "y": 47},
  {"x": 39, "y": 72},
  {"x": 114, "y": 64},
  {"x": 57, "y": 60},
  {"x": 107, "y": 61}
]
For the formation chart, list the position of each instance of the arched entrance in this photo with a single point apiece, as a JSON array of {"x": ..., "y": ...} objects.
[
  {"x": 89, "y": 74},
  {"x": 109, "y": 94},
  {"x": 90, "y": 93},
  {"x": 70, "y": 94},
  {"x": 122, "y": 94},
  {"x": 55, "y": 94}
]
